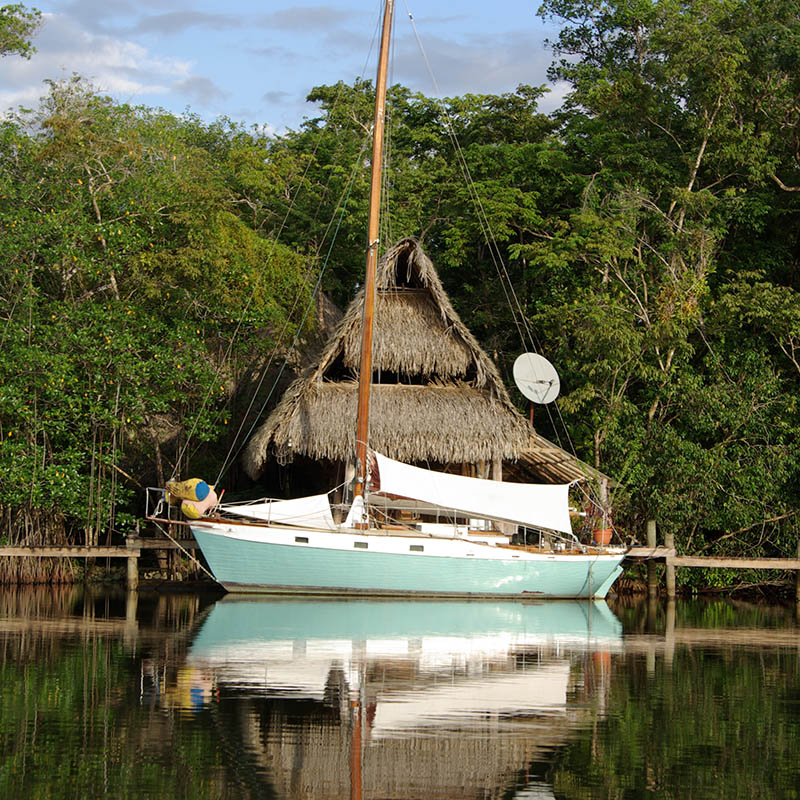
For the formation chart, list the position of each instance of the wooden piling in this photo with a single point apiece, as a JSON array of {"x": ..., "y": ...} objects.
[
  {"x": 652, "y": 573},
  {"x": 161, "y": 560},
  {"x": 131, "y": 606},
  {"x": 133, "y": 567},
  {"x": 797, "y": 579},
  {"x": 650, "y": 659},
  {"x": 652, "y": 614},
  {"x": 669, "y": 543}
]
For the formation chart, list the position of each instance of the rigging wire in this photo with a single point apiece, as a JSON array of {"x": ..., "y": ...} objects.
[
  {"x": 275, "y": 241},
  {"x": 483, "y": 220},
  {"x": 231, "y": 456},
  {"x": 524, "y": 331}
]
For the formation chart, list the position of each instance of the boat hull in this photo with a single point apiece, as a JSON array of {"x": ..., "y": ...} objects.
[{"x": 272, "y": 560}]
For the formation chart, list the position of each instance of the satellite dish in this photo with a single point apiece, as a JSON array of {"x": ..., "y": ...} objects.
[{"x": 536, "y": 378}]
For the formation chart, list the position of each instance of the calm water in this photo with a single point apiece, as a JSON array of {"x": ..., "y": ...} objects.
[{"x": 186, "y": 696}]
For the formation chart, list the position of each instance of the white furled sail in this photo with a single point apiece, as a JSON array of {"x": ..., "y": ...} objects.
[
  {"x": 534, "y": 505},
  {"x": 308, "y": 512}
]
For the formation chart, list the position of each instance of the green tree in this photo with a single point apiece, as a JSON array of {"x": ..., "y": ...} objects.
[
  {"x": 135, "y": 296},
  {"x": 501, "y": 141},
  {"x": 675, "y": 128},
  {"x": 18, "y": 25}
]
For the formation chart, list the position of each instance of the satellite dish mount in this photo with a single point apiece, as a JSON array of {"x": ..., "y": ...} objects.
[{"x": 537, "y": 379}]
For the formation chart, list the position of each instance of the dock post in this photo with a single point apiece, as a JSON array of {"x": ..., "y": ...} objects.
[
  {"x": 652, "y": 575},
  {"x": 133, "y": 566},
  {"x": 161, "y": 558},
  {"x": 131, "y": 606},
  {"x": 650, "y": 657},
  {"x": 669, "y": 543},
  {"x": 797, "y": 578}
]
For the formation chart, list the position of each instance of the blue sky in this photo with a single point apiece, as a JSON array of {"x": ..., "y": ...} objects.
[{"x": 256, "y": 61}]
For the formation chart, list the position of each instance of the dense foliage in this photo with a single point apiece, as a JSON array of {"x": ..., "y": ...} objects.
[
  {"x": 17, "y": 25},
  {"x": 648, "y": 231},
  {"x": 681, "y": 322},
  {"x": 135, "y": 300}
]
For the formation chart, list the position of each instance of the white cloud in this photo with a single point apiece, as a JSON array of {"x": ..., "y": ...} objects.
[
  {"x": 554, "y": 99},
  {"x": 478, "y": 64},
  {"x": 114, "y": 65},
  {"x": 93, "y": 14},
  {"x": 27, "y": 97},
  {"x": 276, "y": 97}
]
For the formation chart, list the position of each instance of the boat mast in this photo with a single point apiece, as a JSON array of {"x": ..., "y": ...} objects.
[{"x": 365, "y": 370}]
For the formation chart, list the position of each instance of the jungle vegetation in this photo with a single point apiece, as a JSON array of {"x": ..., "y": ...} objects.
[{"x": 153, "y": 264}]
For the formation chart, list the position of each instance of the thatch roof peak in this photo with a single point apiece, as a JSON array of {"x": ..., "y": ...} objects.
[
  {"x": 438, "y": 396},
  {"x": 417, "y": 330}
]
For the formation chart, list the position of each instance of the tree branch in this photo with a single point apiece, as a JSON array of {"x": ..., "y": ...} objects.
[
  {"x": 747, "y": 528},
  {"x": 783, "y": 185}
]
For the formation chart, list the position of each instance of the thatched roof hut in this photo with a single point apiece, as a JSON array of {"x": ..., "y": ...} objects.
[{"x": 436, "y": 396}]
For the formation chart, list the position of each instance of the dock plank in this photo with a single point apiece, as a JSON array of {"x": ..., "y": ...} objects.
[
  {"x": 710, "y": 562},
  {"x": 70, "y": 551},
  {"x": 737, "y": 563},
  {"x": 648, "y": 553}
]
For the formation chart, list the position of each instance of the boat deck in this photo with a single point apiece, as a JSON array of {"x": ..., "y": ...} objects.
[{"x": 494, "y": 538}]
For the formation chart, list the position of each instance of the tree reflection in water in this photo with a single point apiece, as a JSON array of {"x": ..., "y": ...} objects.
[{"x": 176, "y": 696}]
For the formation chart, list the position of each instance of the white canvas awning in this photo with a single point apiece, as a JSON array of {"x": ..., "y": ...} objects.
[
  {"x": 308, "y": 512},
  {"x": 533, "y": 505}
]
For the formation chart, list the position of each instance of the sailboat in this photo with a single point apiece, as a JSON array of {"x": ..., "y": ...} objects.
[{"x": 408, "y": 531}]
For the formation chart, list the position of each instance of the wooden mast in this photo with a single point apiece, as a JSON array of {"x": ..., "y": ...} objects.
[{"x": 365, "y": 370}]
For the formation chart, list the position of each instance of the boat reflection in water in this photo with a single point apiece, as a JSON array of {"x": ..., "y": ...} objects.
[{"x": 362, "y": 698}]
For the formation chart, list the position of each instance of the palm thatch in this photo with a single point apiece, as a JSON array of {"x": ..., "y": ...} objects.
[
  {"x": 406, "y": 421},
  {"x": 411, "y": 337},
  {"x": 542, "y": 461},
  {"x": 436, "y": 395},
  {"x": 417, "y": 331}
]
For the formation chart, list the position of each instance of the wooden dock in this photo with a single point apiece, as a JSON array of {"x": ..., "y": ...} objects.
[
  {"x": 651, "y": 555},
  {"x": 666, "y": 553},
  {"x": 131, "y": 550}
]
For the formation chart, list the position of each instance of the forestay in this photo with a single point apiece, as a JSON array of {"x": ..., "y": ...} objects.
[
  {"x": 308, "y": 512},
  {"x": 533, "y": 505}
]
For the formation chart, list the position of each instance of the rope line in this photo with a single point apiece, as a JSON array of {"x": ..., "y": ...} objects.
[
  {"x": 184, "y": 550},
  {"x": 524, "y": 330},
  {"x": 231, "y": 456}
]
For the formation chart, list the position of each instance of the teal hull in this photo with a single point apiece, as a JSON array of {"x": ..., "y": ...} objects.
[
  {"x": 243, "y": 620},
  {"x": 242, "y": 565}
]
